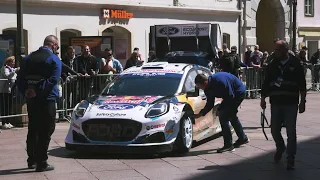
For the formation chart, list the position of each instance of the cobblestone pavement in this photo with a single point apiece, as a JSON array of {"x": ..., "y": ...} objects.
[{"x": 251, "y": 162}]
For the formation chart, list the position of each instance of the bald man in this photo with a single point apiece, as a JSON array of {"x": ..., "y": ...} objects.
[
  {"x": 38, "y": 81},
  {"x": 284, "y": 83}
]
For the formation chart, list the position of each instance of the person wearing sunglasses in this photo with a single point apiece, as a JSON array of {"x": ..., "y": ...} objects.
[{"x": 37, "y": 81}]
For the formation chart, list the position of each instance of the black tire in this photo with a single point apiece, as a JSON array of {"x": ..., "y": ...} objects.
[{"x": 183, "y": 144}]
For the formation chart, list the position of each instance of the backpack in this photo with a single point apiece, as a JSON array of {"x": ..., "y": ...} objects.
[{"x": 229, "y": 62}]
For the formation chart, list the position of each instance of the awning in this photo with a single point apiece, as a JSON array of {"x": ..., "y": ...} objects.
[{"x": 313, "y": 32}]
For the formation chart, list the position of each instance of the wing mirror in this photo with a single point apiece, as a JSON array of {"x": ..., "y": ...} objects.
[{"x": 193, "y": 93}]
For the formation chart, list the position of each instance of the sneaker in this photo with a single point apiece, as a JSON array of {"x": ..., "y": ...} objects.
[
  {"x": 6, "y": 126},
  {"x": 239, "y": 142},
  {"x": 225, "y": 149},
  {"x": 31, "y": 165},
  {"x": 290, "y": 165},
  {"x": 10, "y": 125},
  {"x": 278, "y": 155},
  {"x": 47, "y": 167}
]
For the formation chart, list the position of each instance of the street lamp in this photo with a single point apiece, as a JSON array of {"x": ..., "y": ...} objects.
[
  {"x": 19, "y": 37},
  {"x": 294, "y": 25}
]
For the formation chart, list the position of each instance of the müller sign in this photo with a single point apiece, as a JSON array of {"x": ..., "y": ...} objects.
[{"x": 116, "y": 14}]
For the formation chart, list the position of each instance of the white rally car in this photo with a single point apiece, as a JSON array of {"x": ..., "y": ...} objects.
[{"x": 145, "y": 109}]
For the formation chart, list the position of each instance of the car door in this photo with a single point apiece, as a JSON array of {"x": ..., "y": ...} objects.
[
  {"x": 209, "y": 124},
  {"x": 197, "y": 102}
]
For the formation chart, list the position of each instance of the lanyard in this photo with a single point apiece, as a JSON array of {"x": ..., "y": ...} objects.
[{"x": 283, "y": 68}]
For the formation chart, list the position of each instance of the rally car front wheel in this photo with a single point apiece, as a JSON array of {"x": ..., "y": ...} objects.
[{"x": 185, "y": 136}]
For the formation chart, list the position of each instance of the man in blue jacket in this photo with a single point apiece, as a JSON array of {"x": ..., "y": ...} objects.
[
  {"x": 228, "y": 87},
  {"x": 38, "y": 81}
]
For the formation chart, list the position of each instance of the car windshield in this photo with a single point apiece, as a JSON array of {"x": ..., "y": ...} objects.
[
  {"x": 184, "y": 59},
  {"x": 143, "y": 84}
]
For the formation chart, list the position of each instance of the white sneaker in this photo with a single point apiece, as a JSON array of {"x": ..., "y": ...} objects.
[
  {"x": 6, "y": 126},
  {"x": 10, "y": 125}
]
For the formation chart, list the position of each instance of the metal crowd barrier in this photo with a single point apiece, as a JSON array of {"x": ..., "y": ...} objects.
[
  {"x": 71, "y": 91},
  {"x": 75, "y": 88}
]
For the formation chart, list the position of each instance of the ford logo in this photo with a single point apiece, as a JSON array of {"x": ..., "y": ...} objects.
[
  {"x": 172, "y": 30},
  {"x": 116, "y": 107}
]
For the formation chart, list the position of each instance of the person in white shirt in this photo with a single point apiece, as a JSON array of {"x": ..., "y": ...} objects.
[{"x": 8, "y": 75}]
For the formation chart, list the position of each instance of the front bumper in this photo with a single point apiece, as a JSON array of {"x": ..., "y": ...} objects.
[{"x": 114, "y": 149}]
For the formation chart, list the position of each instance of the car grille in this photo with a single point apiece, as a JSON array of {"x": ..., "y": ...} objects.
[{"x": 111, "y": 130}]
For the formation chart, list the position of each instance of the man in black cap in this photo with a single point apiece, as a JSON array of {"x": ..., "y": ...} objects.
[{"x": 231, "y": 62}]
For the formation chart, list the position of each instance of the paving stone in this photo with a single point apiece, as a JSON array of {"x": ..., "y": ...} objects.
[
  {"x": 71, "y": 176},
  {"x": 103, "y": 165},
  {"x": 117, "y": 175}
]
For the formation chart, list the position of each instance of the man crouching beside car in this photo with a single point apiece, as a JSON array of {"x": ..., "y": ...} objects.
[{"x": 228, "y": 87}]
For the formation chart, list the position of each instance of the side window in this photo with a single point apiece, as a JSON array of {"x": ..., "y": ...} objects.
[
  {"x": 207, "y": 73},
  {"x": 189, "y": 85}
]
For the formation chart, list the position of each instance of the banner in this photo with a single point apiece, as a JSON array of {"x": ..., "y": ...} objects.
[
  {"x": 97, "y": 44},
  {"x": 7, "y": 46},
  {"x": 183, "y": 30}
]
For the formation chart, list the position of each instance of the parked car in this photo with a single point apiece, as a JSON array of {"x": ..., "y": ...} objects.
[{"x": 145, "y": 109}]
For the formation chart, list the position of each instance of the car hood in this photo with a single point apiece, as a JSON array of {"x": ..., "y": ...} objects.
[{"x": 118, "y": 104}]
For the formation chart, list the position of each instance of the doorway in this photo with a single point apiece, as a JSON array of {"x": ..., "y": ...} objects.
[
  {"x": 270, "y": 24},
  {"x": 121, "y": 44}
]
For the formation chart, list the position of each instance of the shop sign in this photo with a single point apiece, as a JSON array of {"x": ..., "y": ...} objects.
[
  {"x": 116, "y": 14},
  {"x": 183, "y": 30}
]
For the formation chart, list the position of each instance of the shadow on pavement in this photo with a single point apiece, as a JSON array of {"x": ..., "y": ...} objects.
[
  {"x": 63, "y": 153},
  {"x": 262, "y": 167},
  {"x": 16, "y": 171}
]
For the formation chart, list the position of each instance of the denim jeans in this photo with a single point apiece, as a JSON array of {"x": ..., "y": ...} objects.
[
  {"x": 286, "y": 114},
  {"x": 228, "y": 113}
]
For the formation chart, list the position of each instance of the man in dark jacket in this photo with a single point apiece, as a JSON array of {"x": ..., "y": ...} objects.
[
  {"x": 38, "y": 81},
  {"x": 231, "y": 62},
  {"x": 71, "y": 69},
  {"x": 87, "y": 66},
  {"x": 315, "y": 61},
  {"x": 232, "y": 91},
  {"x": 284, "y": 82}
]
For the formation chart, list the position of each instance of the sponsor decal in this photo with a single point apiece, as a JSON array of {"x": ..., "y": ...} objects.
[
  {"x": 169, "y": 131},
  {"x": 175, "y": 108},
  {"x": 75, "y": 126},
  {"x": 149, "y": 74},
  {"x": 116, "y": 107},
  {"x": 155, "y": 126},
  {"x": 131, "y": 100},
  {"x": 111, "y": 114},
  {"x": 203, "y": 124},
  {"x": 193, "y": 30},
  {"x": 155, "y": 118},
  {"x": 153, "y": 71},
  {"x": 169, "y": 30},
  {"x": 116, "y": 14}
]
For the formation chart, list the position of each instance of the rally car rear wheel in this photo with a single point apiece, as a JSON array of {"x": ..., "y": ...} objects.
[{"x": 185, "y": 136}]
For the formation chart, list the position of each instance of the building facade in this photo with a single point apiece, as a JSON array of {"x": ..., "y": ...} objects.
[
  {"x": 308, "y": 17},
  {"x": 129, "y": 26},
  {"x": 265, "y": 20}
]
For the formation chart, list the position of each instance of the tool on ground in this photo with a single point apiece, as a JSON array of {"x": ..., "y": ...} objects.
[{"x": 262, "y": 121}]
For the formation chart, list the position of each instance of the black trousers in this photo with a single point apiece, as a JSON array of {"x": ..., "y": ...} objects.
[
  {"x": 41, "y": 126},
  {"x": 5, "y": 106}
]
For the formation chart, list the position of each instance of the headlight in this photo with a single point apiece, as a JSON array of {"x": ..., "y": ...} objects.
[
  {"x": 81, "y": 108},
  {"x": 157, "y": 110}
]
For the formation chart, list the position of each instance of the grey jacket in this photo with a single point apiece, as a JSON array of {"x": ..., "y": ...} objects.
[{"x": 7, "y": 79}]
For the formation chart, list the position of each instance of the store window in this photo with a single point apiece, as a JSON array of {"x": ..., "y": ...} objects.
[
  {"x": 13, "y": 32},
  {"x": 226, "y": 39},
  {"x": 65, "y": 36},
  {"x": 309, "y": 8}
]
